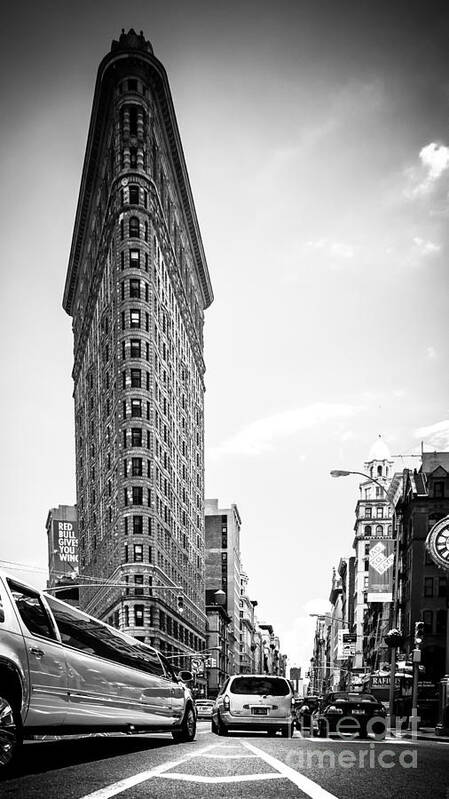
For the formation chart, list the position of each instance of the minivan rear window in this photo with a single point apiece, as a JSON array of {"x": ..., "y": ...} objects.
[{"x": 260, "y": 686}]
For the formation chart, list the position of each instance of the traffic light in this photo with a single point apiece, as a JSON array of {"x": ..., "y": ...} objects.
[
  {"x": 180, "y": 603},
  {"x": 419, "y": 632}
]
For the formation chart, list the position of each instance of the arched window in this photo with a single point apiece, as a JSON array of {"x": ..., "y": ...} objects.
[
  {"x": 134, "y": 227},
  {"x": 368, "y": 529},
  {"x": 379, "y": 529},
  {"x": 379, "y": 471},
  {"x": 134, "y": 195}
]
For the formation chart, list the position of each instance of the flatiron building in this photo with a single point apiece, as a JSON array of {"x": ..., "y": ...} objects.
[{"x": 137, "y": 287}]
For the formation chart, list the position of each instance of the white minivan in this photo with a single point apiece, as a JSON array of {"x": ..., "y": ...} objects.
[
  {"x": 64, "y": 672},
  {"x": 254, "y": 702}
]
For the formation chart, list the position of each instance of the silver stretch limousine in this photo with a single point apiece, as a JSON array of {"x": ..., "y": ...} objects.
[{"x": 62, "y": 671}]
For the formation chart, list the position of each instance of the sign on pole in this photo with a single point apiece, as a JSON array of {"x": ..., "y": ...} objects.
[
  {"x": 346, "y": 644},
  {"x": 380, "y": 577}
]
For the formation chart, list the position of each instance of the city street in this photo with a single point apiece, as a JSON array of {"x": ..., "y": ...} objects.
[{"x": 240, "y": 765}]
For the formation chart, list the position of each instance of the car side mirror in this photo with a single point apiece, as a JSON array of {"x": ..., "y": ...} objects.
[{"x": 185, "y": 676}]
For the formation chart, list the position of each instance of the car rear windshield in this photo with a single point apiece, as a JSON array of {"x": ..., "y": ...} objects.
[
  {"x": 353, "y": 697},
  {"x": 259, "y": 686}
]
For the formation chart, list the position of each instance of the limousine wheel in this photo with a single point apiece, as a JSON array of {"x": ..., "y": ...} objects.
[
  {"x": 9, "y": 733},
  {"x": 188, "y": 727}
]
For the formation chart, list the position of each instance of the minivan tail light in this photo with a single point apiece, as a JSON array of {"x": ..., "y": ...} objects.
[{"x": 226, "y": 703}]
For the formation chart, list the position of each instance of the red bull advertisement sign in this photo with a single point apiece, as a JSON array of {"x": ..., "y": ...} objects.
[{"x": 65, "y": 545}]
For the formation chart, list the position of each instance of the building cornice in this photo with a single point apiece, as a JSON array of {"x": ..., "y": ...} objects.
[{"x": 106, "y": 78}]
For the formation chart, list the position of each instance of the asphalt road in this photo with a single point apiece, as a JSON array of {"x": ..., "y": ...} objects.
[{"x": 244, "y": 766}]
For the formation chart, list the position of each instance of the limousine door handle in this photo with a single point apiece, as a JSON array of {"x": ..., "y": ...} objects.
[{"x": 35, "y": 651}]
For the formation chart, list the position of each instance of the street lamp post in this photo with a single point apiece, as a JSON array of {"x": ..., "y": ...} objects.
[{"x": 346, "y": 473}]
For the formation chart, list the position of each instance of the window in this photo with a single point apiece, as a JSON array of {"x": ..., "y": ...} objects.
[
  {"x": 31, "y": 610},
  {"x": 427, "y": 618},
  {"x": 367, "y": 512},
  {"x": 134, "y": 195},
  {"x": 134, "y": 227},
  {"x": 138, "y": 553},
  {"x": 134, "y": 286},
  {"x": 138, "y": 615},
  {"x": 368, "y": 529},
  {"x": 135, "y": 348},
  {"x": 137, "y": 495},
  {"x": 379, "y": 512},
  {"x": 438, "y": 488},
  {"x": 138, "y": 583},
  {"x": 134, "y": 263},
  {"x": 132, "y": 110},
  {"x": 428, "y": 586},
  {"x": 136, "y": 407},
  {"x": 134, "y": 318},
  {"x": 441, "y": 622},
  {"x": 379, "y": 530},
  {"x": 379, "y": 471},
  {"x": 136, "y": 437},
  {"x": 136, "y": 378},
  {"x": 95, "y": 638},
  {"x": 137, "y": 525},
  {"x": 136, "y": 467},
  {"x": 442, "y": 586},
  {"x": 133, "y": 157}
]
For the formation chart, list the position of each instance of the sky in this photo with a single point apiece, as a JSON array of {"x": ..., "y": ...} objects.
[{"x": 316, "y": 136}]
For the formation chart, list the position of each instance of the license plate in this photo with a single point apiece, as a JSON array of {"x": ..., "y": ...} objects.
[
  {"x": 358, "y": 712},
  {"x": 259, "y": 711}
]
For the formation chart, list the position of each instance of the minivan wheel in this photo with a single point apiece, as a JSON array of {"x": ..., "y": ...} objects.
[
  {"x": 188, "y": 728},
  {"x": 214, "y": 727},
  {"x": 10, "y": 733}
]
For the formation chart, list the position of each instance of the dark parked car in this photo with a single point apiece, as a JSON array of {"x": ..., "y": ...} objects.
[{"x": 343, "y": 712}]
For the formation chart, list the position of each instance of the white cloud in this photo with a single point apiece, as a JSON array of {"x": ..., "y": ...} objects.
[
  {"x": 260, "y": 435},
  {"x": 431, "y": 352},
  {"x": 435, "y": 435},
  {"x": 338, "y": 249},
  {"x": 426, "y": 248},
  {"x": 434, "y": 162}
]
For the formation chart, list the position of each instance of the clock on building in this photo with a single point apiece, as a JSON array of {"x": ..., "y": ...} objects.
[{"x": 437, "y": 543}]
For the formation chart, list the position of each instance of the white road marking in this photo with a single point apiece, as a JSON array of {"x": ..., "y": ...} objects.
[
  {"x": 309, "y": 787},
  {"x": 271, "y": 775},
  {"x": 231, "y": 757},
  {"x": 136, "y": 779}
]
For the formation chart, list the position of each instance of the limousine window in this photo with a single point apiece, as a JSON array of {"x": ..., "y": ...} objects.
[
  {"x": 31, "y": 610},
  {"x": 94, "y": 638}
]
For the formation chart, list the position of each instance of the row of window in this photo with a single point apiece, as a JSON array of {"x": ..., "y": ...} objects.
[
  {"x": 135, "y": 408},
  {"x": 134, "y": 288},
  {"x": 135, "y": 319},
  {"x": 136, "y": 554},
  {"x": 434, "y": 623},
  {"x": 135, "y": 348},
  {"x": 378, "y": 530},
  {"x": 368, "y": 512},
  {"x": 435, "y": 586},
  {"x": 134, "y": 229}
]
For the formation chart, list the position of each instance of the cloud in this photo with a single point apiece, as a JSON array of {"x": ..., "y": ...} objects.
[
  {"x": 337, "y": 249},
  {"x": 423, "y": 178},
  {"x": 426, "y": 248},
  {"x": 431, "y": 352},
  {"x": 261, "y": 435},
  {"x": 435, "y": 435}
]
